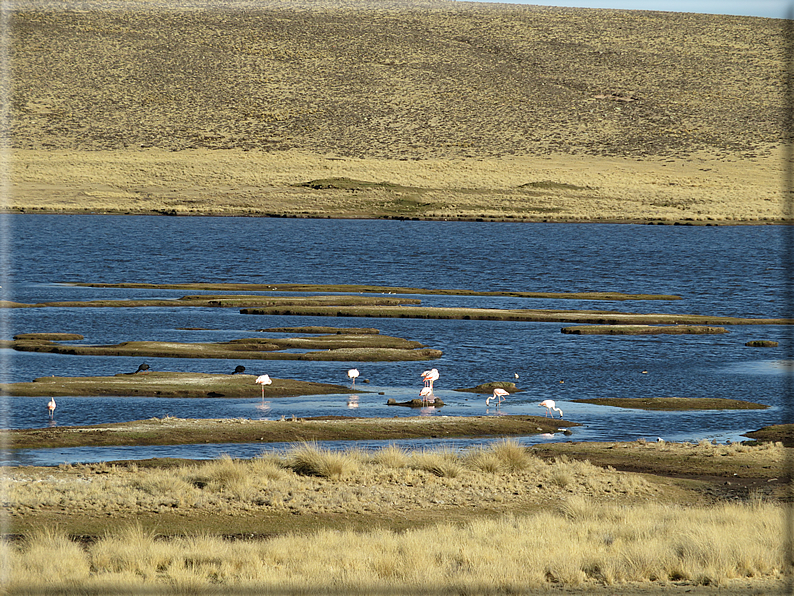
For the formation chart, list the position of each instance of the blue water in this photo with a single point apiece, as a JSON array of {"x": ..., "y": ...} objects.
[{"x": 734, "y": 271}]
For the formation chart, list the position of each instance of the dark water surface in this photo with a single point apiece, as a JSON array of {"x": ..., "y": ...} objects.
[{"x": 734, "y": 271}]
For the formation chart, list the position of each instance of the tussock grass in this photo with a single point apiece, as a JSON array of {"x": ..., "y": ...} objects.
[
  {"x": 391, "y": 456},
  {"x": 308, "y": 478},
  {"x": 583, "y": 543},
  {"x": 440, "y": 462},
  {"x": 565, "y": 523},
  {"x": 309, "y": 459}
]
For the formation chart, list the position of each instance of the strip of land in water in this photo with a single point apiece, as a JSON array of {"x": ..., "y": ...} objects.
[
  {"x": 674, "y": 403},
  {"x": 168, "y": 384},
  {"x": 178, "y": 431},
  {"x": 336, "y": 347},
  {"x": 367, "y": 289}
]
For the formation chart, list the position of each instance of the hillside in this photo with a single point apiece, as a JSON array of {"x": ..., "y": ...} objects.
[{"x": 416, "y": 94}]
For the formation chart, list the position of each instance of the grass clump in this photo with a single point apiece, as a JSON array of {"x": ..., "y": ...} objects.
[
  {"x": 442, "y": 462},
  {"x": 391, "y": 456},
  {"x": 308, "y": 459}
]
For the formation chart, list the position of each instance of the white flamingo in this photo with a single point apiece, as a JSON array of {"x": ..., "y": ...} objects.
[
  {"x": 499, "y": 394},
  {"x": 429, "y": 376},
  {"x": 426, "y": 393},
  {"x": 353, "y": 374},
  {"x": 263, "y": 380},
  {"x": 550, "y": 405},
  {"x": 51, "y": 407}
]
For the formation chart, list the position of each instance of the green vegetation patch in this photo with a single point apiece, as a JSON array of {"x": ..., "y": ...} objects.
[
  {"x": 320, "y": 329},
  {"x": 231, "y": 301},
  {"x": 674, "y": 403},
  {"x": 783, "y": 433},
  {"x": 643, "y": 330},
  {"x": 49, "y": 336},
  {"x": 761, "y": 343},
  {"x": 702, "y": 459}
]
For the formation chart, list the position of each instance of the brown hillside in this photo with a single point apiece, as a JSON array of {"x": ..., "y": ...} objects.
[{"x": 386, "y": 81}]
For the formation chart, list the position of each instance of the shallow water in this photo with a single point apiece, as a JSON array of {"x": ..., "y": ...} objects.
[{"x": 732, "y": 271}]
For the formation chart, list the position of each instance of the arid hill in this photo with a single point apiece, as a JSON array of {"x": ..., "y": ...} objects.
[{"x": 441, "y": 83}]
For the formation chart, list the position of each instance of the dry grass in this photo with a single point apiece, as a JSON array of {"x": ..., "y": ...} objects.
[
  {"x": 311, "y": 460},
  {"x": 463, "y": 110},
  {"x": 578, "y": 544},
  {"x": 311, "y": 479},
  {"x": 561, "y": 522}
]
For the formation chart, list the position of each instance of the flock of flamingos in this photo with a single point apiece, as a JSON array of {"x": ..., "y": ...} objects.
[{"x": 428, "y": 376}]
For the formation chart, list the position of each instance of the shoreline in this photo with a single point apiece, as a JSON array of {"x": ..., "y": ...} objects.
[{"x": 638, "y": 222}]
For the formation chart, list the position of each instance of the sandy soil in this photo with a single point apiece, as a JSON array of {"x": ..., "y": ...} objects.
[{"x": 432, "y": 110}]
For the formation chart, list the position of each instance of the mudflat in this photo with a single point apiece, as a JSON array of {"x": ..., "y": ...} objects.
[{"x": 400, "y": 109}]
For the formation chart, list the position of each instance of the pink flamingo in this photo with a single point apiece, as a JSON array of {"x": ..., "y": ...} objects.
[
  {"x": 499, "y": 394},
  {"x": 550, "y": 405},
  {"x": 429, "y": 376},
  {"x": 425, "y": 394},
  {"x": 263, "y": 380},
  {"x": 353, "y": 374},
  {"x": 51, "y": 407}
]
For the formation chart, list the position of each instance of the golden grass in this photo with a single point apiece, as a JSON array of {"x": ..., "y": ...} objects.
[
  {"x": 577, "y": 544},
  {"x": 311, "y": 460},
  {"x": 707, "y": 189},
  {"x": 533, "y": 524}
]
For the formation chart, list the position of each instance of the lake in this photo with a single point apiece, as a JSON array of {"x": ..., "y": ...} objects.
[{"x": 732, "y": 271}]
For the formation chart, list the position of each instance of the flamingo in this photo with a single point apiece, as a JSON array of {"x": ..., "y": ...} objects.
[
  {"x": 353, "y": 374},
  {"x": 499, "y": 394},
  {"x": 429, "y": 376},
  {"x": 263, "y": 380},
  {"x": 550, "y": 405},
  {"x": 51, "y": 407},
  {"x": 425, "y": 394}
]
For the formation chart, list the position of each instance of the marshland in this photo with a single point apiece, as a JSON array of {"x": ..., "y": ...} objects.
[{"x": 425, "y": 184}]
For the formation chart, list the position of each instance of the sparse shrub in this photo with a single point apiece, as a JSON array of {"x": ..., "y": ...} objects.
[
  {"x": 130, "y": 550},
  {"x": 267, "y": 467}
]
